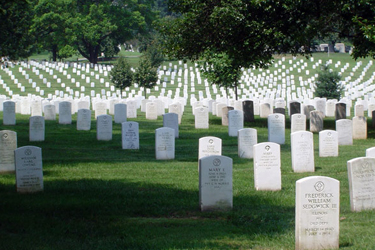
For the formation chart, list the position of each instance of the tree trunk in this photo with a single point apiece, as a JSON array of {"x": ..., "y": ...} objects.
[
  {"x": 236, "y": 90},
  {"x": 54, "y": 53}
]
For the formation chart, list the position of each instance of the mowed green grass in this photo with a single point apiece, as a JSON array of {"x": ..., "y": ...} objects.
[{"x": 98, "y": 196}]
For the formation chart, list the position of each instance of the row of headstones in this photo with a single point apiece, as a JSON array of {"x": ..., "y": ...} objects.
[
  {"x": 317, "y": 204},
  {"x": 234, "y": 119},
  {"x": 317, "y": 198}
]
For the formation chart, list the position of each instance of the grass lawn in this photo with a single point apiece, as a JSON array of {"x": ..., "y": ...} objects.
[{"x": 98, "y": 196}]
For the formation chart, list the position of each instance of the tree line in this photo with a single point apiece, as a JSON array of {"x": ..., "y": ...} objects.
[
  {"x": 224, "y": 36},
  {"x": 63, "y": 27}
]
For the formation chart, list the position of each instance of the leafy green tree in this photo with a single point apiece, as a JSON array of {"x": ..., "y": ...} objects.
[
  {"x": 360, "y": 26},
  {"x": 328, "y": 84},
  {"x": 146, "y": 75},
  {"x": 96, "y": 21},
  {"x": 251, "y": 32},
  {"x": 49, "y": 27},
  {"x": 121, "y": 74},
  {"x": 15, "y": 40},
  {"x": 221, "y": 70}
]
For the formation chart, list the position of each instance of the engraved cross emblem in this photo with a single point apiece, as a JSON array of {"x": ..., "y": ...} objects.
[{"x": 319, "y": 186}]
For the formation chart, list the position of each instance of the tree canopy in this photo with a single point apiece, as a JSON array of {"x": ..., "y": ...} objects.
[
  {"x": 328, "y": 84},
  {"x": 121, "y": 74},
  {"x": 15, "y": 16},
  {"x": 249, "y": 33}
]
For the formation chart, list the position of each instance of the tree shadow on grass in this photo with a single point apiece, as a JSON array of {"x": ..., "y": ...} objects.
[{"x": 120, "y": 214}]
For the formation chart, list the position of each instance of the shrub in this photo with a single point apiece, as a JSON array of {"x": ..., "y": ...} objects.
[{"x": 328, "y": 84}]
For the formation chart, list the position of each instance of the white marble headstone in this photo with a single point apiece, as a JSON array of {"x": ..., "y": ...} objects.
[
  {"x": 164, "y": 143},
  {"x": 201, "y": 118},
  {"x": 9, "y": 113},
  {"x": 302, "y": 148},
  {"x": 317, "y": 213},
  {"x": 29, "y": 169},
  {"x": 267, "y": 166},
  {"x": 359, "y": 128},
  {"x": 209, "y": 145},
  {"x": 65, "y": 113},
  {"x": 344, "y": 128},
  {"x": 36, "y": 128},
  {"x": 298, "y": 123},
  {"x": 276, "y": 128},
  {"x": 247, "y": 138},
  {"x": 84, "y": 119},
  {"x": 50, "y": 112},
  {"x": 151, "y": 111},
  {"x": 170, "y": 120},
  {"x": 8, "y": 143},
  {"x": 104, "y": 128},
  {"x": 361, "y": 174},
  {"x": 130, "y": 135},
  {"x": 215, "y": 183},
  {"x": 120, "y": 112},
  {"x": 235, "y": 122},
  {"x": 328, "y": 143}
]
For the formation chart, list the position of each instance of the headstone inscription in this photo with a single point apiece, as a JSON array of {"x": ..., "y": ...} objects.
[
  {"x": 176, "y": 108},
  {"x": 29, "y": 169},
  {"x": 9, "y": 113},
  {"x": 359, "y": 110},
  {"x": 359, "y": 127},
  {"x": 247, "y": 138},
  {"x": 302, "y": 149},
  {"x": 344, "y": 128},
  {"x": 215, "y": 183},
  {"x": 50, "y": 112},
  {"x": 276, "y": 128},
  {"x": 100, "y": 108},
  {"x": 267, "y": 166},
  {"x": 130, "y": 135},
  {"x": 120, "y": 112},
  {"x": 151, "y": 111},
  {"x": 164, "y": 143},
  {"x": 298, "y": 123},
  {"x": 361, "y": 174},
  {"x": 8, "y": 143},
  {"x": 84, "y": 119},
  {"x": 209, "y": 145},
  {"x": 235, "y": 122},
  {"x": 317, "y": 213},
  {"x": 201, "y": 118},
  {"x": 36, "y": 108},
  {"x": 131, "y": 109},
  {"x": 104, "y": 128},
  {"x": 36, "y": 128},
  {"x": 170, "y": 120},
  {"x": 328, "y": 143},
  {"x": 248, "y": 110},
  {"x": 330, "y": 108},
  {"x": 65, "y": 113}
]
